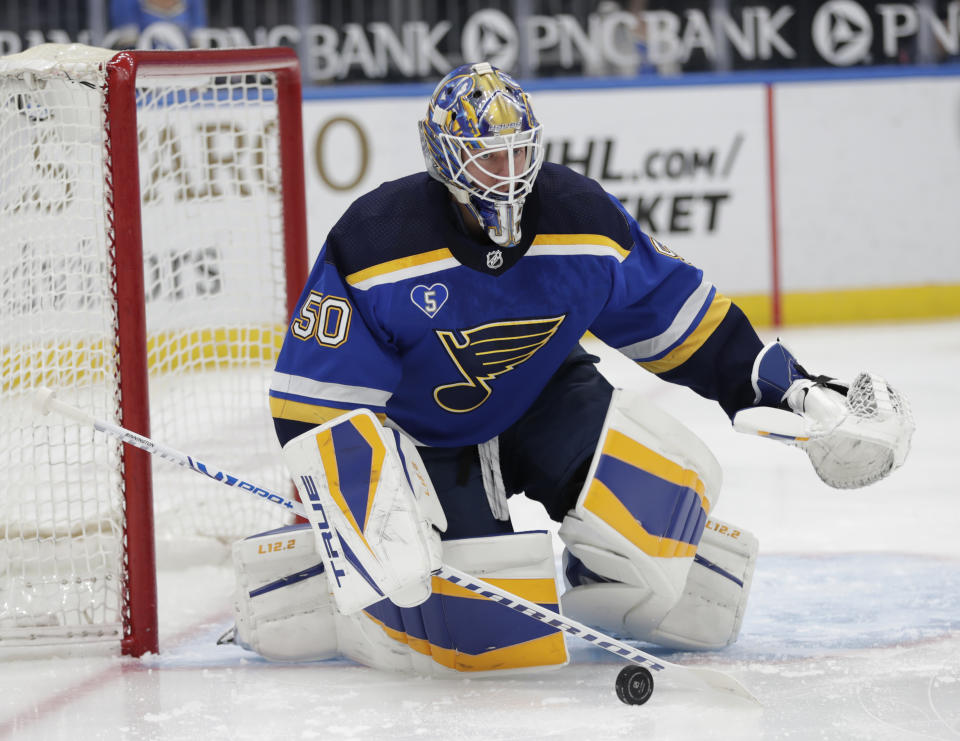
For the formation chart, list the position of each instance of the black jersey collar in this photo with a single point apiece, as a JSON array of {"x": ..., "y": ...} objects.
[{"x": 483, "y": 255}]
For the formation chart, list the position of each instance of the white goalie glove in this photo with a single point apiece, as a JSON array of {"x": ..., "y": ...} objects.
[
  {"x": 854, "y": 434},
  {"x": 372, "y": 508}
]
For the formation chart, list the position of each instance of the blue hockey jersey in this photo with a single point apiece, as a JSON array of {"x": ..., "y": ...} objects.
[{"x": 453, "y": 339}]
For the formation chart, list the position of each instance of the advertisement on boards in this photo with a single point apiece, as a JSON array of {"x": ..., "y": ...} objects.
[
  {"x": 388, "y": 41},
  {"x": 691, "y": 168}
]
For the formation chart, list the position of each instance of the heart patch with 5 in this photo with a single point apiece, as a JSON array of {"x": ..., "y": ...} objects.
[{"x": 429, "y": 299}]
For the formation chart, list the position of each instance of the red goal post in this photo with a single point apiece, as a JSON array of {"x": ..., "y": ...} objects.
[{"x": 153, "y": 204}]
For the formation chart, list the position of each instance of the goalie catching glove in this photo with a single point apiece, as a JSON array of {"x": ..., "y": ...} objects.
[
  {"x": 854, "y": 434},
  {"x": 372, "y": 509}
]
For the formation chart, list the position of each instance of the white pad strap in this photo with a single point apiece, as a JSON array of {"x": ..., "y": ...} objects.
[
  {"x": 492, "y": 478},
  {"x": 372, "y": 508}
]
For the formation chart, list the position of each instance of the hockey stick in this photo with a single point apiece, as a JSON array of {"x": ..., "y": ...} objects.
[
  {"x": 46, "y": 402},
  {"x": 710, "y": 678}
]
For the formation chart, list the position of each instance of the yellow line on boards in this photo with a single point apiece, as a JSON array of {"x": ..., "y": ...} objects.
[{"x": 855, "y": 305}]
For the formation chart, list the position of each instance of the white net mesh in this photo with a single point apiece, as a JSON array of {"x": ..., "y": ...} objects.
[
  {"x": 61, "y": 491},
  {"x": 214, "y": 284},
  {"x": 215, "y": 298}
]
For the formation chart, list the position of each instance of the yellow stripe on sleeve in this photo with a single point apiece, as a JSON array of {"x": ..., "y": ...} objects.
[{"x": 681, "y": 354}]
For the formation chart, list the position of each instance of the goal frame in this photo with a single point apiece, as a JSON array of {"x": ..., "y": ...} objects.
[{"x": 124, "y": 210}]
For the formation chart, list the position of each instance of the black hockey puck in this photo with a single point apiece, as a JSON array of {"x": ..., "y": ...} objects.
[{"x": 634, "y": 685}]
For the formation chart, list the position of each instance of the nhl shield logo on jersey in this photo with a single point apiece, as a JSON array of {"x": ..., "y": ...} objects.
[
  {"x": 494, "y": 259},
  {"x": 429, "y": 299},
  {"x": 488, "y": 351}
]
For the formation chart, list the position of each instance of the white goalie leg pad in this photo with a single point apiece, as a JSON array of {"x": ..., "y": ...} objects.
[
  {"x": 365, "y": 641},
  {"x": 283, "y": 609},
  {"x": 639, "y": 517},
  {"x": 707, "y": 616},
  {"x": 372, "y": 507},
  {"x": 710, "y": 612}
]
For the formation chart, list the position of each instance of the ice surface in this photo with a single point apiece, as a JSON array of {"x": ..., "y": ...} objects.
[{"x": 853, "y": 630}]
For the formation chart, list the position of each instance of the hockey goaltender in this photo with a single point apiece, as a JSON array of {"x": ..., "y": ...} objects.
[{"x": 433, "y": 370}]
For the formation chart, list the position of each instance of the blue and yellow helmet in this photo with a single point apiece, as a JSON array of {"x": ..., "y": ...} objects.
[{"x": 481, "y": 139}]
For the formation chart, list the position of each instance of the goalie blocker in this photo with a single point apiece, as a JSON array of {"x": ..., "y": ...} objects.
[{"x": 372, "y": 510}]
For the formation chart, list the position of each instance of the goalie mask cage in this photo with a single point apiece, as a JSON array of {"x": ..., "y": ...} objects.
[{"x": 154, "y": 244}]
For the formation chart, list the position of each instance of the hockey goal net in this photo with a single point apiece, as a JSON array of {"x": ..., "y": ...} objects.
[{"x": 154, "y": 242}]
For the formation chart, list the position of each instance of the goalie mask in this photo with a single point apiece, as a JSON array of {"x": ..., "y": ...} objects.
[{"x": 481, "y": 139}]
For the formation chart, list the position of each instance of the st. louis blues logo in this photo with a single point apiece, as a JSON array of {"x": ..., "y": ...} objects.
[
  {"x": 664, "y": 250},
  {"x": 488, "y": 351}
]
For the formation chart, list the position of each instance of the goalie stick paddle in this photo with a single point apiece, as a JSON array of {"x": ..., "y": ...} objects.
[{"x": 46, "y": 401}]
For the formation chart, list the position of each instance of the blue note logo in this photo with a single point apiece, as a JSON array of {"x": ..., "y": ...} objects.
[
  {"x": 429, "y": 299},
  {"x": 482, "y": 353}
]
